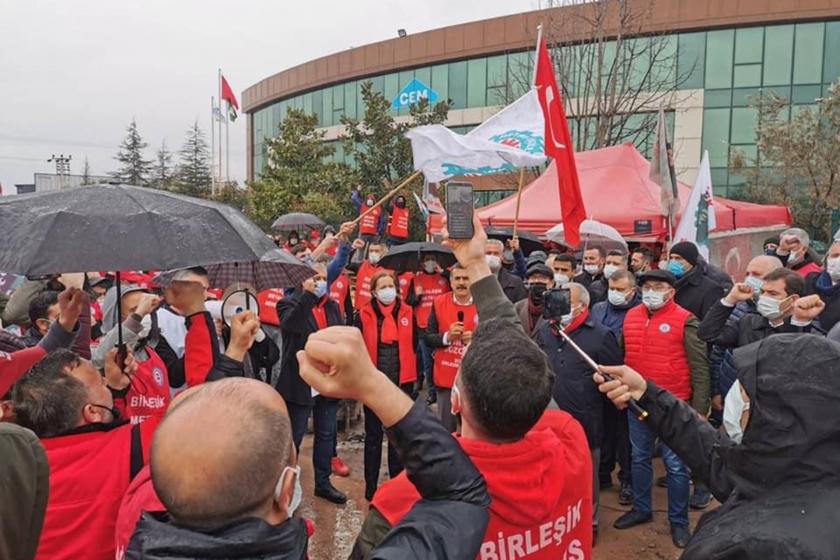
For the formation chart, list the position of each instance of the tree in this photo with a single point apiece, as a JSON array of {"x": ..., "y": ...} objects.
[
  {"x": 86, "y": 179},
  {"x": 163, "y": 173},
  {"x": 797, "y": 160},
  {"x": 134, "y": 169},
  {"x": 299, "y": 176},
  {"x": 232, "y": 194},
  {"x": 193, "y": 174}
]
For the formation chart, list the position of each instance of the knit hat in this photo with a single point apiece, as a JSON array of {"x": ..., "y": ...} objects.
[{"x": 687, "y": 250}]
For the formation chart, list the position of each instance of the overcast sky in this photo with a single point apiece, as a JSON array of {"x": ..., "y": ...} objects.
[{"x": 73, "y": 73}]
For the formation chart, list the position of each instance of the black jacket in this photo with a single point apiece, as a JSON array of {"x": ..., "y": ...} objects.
[
  {"x": 820, "y": 283},
  {"x": 751, "y": 327},
  {"x": 597, "y": 286},
  {"x": 296, "y": 324},
  {"x": 512, "y": 285},
  {"x": 388, "y": 355},
  {"x": 779, "y": 487},
  {"x": 697, "y": 293},
  {"x": 574, "y": 390}
]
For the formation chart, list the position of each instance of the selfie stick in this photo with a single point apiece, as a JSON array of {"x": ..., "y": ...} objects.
[{"x": 640, "y": 412}]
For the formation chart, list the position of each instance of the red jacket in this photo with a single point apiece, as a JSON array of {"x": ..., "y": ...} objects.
[
  {"x": 655, "y": 347},
  {"x": 149, "y": 393},
  {"x": 448, "y": 358},
  {"x": 807, "y": 269},
  {"x": 541, "y": 490},
  {"x": 405, "y": 340},
  {"x": 139, "y": 497},
  {"x": 201, "y": 348},
  {"x": 398, "y": 224},
  {"x": 433, "y": 285}
]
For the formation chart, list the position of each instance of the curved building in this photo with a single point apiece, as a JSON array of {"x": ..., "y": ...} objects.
[{"x": 725, "y": 51}]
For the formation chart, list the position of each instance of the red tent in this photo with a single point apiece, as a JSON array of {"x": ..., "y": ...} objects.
[{"x": 617, "y": 191}]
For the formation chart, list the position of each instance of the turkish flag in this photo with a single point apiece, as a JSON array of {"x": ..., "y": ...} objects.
[
  {"x": 558, "y": 145},
  {"x": 227, "y": 94}
]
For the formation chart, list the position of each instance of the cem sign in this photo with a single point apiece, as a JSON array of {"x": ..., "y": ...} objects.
[{"x": 413, "y": 93}]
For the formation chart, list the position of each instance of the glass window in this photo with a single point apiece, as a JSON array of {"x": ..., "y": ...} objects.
[
  {"x": 691, "y": 60},
  {"x": 720, "y": 178},
  {"x": 350, "y": 100},
  {"x": 806, "y": 94},
  {"x": 360, "y": 101},
  {"x": 808, "y": 53},
  {"x": 378, "y": 83},
  {"x": 318, "y": 105},
  {"x": 778, "y": 55},
  {"x": 796, "y": 109},
  {"x": 405, "y": 78},
  {"x": 519, "y": 73},
  {"x": 326, "y": 107},
  {"x": 748, "y": 44},
  {"x": 716, "y": 135},
  {"x": 747, "y": 75},
  {"x": 744, "y": 97},
  {"x": 392, "y": 87},
  {"x": 497, "y": 71},
  {"x": 750, "y": 151},
  {"x": 458, "y": 84},
  {"x": 662, "y": 57},
  {"x": 307, "y": 103},
  {"x": 440, "y": 81},
  {"x": 831, "y": 65},
  {"x": 719, "y": 58},
  {"x": 338, "y": 98},
  {"x": 717, "y": 98},
  {"x": 477, "y": 83},
  {"x": 744, "y": 120}
]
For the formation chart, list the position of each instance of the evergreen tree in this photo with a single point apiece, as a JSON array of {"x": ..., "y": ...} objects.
[
  {"x": 163, "y": 171},
  {"x": 193, "y": 177},
  {"x": 134, "y": 170}
]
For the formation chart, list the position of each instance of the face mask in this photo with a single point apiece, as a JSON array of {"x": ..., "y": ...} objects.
[
  {"x": 769, "y": 308},
  {"x": 663, "y": 265},
  {"x": 507, "y": 255},
  {"x": 591, "y": 269},
  {"x": 537, "y": 292},
  {"x": 832, "y": 266},
  {"x": 566, "y": 319},
  {"x": 320, "y": 288},
  {"x": 429, "y": 267},
  {"x": 733, "y": 409},
  {"x": 400, "y": 203},
  {"x": 297, "y": 493},
  {"x": 386, "y": 295},
  {"x": 147, "y": 327},
  {"x": 293, "y": 241},
  {"x": 115, "y": 412},
  {"x": 653, "y": 300},
  {"x": 616, "y": 297},
  {"x": 374, "y": 257},
  {"x": 754, "y": 283},
  {"x": 675, "y": 268},
  {"x": 370, "y": 202},
  {"x": 793, "y": 257},
  {"x": 494, "y": 262},
  {"x": 609, "y": 270},
  {"x": 560, "y": 279}
]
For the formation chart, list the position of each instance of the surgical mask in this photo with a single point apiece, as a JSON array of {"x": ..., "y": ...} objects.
[
  {"x": 609, "y": 270},
  {"x": 734, "y": 407},
  {"x": 494, "y": 262},
  {"x": 386, "y": 295},
  {"x": 369, "y": 202},
  {"x": 147, "y": 327},
  {"x": 676, "y": 268},
  {"x": 653, "y": 300},
  {"x": 293, "y": 241},
  {"x": 832, "y": 266},
  {"x": 320, "y": 288},
  {"x": 592, "y": 269},
  {"x": 374, "y": 257},
  {"x": 755, "y": 283},
  {"x": 663, "y": 265},
  {"x": 794, "y": 257},
  {"x": 297, "y": 493},
  {"x": 566, "y": 319},
  {"x": 429, "y": 267},
  {"x": 115, "y": 412},
  {"x": 560, "y": 279},
  {"x": 507, "y": 255},
  {"x": 768, "y": 307},
  {"x": 617, "y": 297}
]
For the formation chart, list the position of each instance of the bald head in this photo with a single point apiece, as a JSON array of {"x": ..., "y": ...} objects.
[
  {"x": 219, "y": 452},
  {"x": 763, "y": 265}
]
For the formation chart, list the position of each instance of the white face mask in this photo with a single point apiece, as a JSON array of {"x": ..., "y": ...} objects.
[
  {"x": 754, "y": 283},
  {"x": 374, "y": 257},
  {"x": 832, "y": 266},
  {"x": 386, "y": 295},
  {"x": 769, "y": 308},
  {"x": 560, "y": 279},
  {"x": 653, "y": 300},
  {"x": 429, "y": 267},
  {"x": 617, "y": 297},
  {"x": 609, "y": 270},
  {"x": 147, "y": 327},
  {"x": 566, "y": 319},
  {"x": 494, "y": 262},
  {"x": 320, "y": 288},
  {"x": 297, "y": 494},
  {"x": 592, "y": 269},
  {"x": 733, "y": 409}
]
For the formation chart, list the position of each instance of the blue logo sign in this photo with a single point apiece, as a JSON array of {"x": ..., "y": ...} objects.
[{"x": 412, "y": 93}]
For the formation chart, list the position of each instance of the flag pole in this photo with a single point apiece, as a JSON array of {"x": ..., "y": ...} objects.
[
  {"x": 213, "y": 145},
  {"x": 227, "y": 145},
  {"x": 518, "y": 200},
  {"x": 219, "y": 79},
  {"x": 536, "y": 54},
  {"x": 391, "y": 193}
]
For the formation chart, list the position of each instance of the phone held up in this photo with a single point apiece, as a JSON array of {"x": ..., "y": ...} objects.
[
  {"x": 557, "y": 302},
  {"x": 460, "y": 205}
]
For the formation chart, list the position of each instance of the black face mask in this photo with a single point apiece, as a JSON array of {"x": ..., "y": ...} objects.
[
  {"x": 115, "y": 412},
  {"x": 537, "y": 293},
  {"x": 400, "y": 203}
]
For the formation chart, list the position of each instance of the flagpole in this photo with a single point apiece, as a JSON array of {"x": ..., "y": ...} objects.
[
  {"x": 227, "y": 145},
  {"x": 536, "y": 55},
  {"x": 220, "y": 124},
  {"x": 518, "y": 200},
  {"x": 213, "y": 145},
  {"x": 391, "y": 193}
]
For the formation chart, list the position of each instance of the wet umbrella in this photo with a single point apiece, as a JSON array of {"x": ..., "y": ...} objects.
[
  {"x": 528, "y": 242},
  {"x": 409, "y": 256},
  {"x": 297, "y": 220},
  {"x": 592, "y": 232}
]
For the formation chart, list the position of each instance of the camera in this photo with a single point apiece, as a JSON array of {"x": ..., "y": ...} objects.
[{"x": 557, "y": 302}]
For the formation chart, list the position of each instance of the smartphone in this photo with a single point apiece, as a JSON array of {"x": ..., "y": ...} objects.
[
  {"x": 556, "y": 303},
  {"x": 459, "y": 210}
]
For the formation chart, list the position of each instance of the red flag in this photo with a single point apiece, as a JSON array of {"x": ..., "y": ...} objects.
[
  {"x": 227, "y": 94},
  {"x": 558, "y": 145}
]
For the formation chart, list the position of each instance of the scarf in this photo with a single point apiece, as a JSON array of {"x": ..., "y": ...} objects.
[
  {"x": 576, "y": 322},
  {"x": 389, "y": 334},
  {"x": 534, "y": 313}
]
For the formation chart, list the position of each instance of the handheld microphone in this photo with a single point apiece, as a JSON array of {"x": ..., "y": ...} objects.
[{"x": 460, "y": 316}]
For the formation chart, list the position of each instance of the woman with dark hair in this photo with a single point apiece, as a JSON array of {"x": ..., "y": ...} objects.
[{"x": 387, "y": 325}]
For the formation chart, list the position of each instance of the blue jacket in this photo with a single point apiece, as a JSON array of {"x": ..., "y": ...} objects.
[{"x": 611, "y": 316}]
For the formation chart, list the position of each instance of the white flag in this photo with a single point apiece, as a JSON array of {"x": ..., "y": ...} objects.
[
  {"x": 513, "y": 137},
  {"x": 698, "y": 218}
]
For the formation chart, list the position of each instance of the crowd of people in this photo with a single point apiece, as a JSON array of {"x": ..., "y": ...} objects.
[{"x": 184, "y": 441}]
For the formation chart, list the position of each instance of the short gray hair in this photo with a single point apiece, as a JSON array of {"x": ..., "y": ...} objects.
[
  {"x": 800, "y": 234},
  {"x": 582, "y": 292},
  {"x": 497, "y": 243}
]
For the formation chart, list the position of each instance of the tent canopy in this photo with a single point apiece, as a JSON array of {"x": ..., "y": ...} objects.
[{"x": 617, "y": 191}]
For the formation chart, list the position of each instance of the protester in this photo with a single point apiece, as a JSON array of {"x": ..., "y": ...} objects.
[
  {"x": 536, "y": 462},
  {"x": 771, "y": 244},
  {"x": 511, "y": 284},
  {"x": 387, "y": 325},
  {"x": 450, "y": 329},
  {"x": 564, "y": 269},
  {"x": 614, "y": 262},
  {"x": 428, "y": 284},
  {"x": 292, "y": 240},
  {"x": 365, "y": 271},
  {"x": 696, "y": 292},
  {"x": 778, "y": 486},
  {"x": 16, "y": 311},
  {"x": 530, "y": 310},
  {"x": 826, "y": 285},
  {"x": 43, "y": 312},
  {"x": 794, "y": 251},
  {"x": 661, "y": 328},
  {"x": 398, "y": 221},
  {"x": 513, "y": 259},
  {"x": 592, "y": 278},
  {"x": 641, "y": 260},
  {"x": 372, "y": 225}
]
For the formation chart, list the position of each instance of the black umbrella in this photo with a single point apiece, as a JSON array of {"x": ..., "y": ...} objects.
[
  {"x": 528, "y": 242},
  {"x": 409, "y": 256},
  {"x": 297, "y": 220}
]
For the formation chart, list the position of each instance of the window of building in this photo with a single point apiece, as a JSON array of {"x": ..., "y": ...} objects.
[
  {"x": 745, "y": 97},
  {"x": 326, "y": 107},
  {"x": 338, "y": 103},
  {"x": 747, "y": 75},
  {"x": 318, "y": 105},
  {"x": 831, "y": 60},
  {"x": 662, "y": 61},
  {"x": 749, "y": 44},
  {"x": 719, "y": 46},
  {"x": 716, "y": 136},
  {"x": 458, "y": 84},
  {"x": 520, "y": 72},
  {"x": 778, "y": 55},
  {"x": 497, "y": 81},
  {"x": 477, "y": 82},
  {"x": 392, "y": 87},
  {"x": 806, "y": 94},
  {"x": 405, "y": 78},
  {"x": 717, "y": 98},
  {"x": 744, "y": 120},
  {"x": 440, "y": 81},
  {"x": 720, "y": 179},
  {"x": 691, "y": 59},
  {"x": 350, "y": 100},
  {"x": 808, "y": 53}
]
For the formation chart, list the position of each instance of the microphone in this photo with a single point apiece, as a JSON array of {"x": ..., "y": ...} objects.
[{"x": 460, "y": 316}]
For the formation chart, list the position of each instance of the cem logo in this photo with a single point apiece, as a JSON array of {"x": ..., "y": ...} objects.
[{"x": 412, "y": 93}]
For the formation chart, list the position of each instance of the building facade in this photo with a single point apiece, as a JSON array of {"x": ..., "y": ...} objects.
[{"x": 726, "y": 52}]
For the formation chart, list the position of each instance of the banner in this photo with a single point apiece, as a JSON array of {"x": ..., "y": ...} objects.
[{"x": 698, "y": 218}]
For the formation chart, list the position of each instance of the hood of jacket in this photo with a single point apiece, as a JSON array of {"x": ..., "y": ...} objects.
[
  {"x": 109, "y": 304},
  {"x": 157, "y": 538}
]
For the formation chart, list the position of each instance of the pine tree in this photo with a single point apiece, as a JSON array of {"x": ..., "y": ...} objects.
[
  {"x": 133, "y": 170},
  {"x": 86, "y": 179},
  {"x": 163, "y": 173},
  {"x": 194, "y": 170}
]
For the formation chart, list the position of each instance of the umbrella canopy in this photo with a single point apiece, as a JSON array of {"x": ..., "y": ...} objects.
[
  {"x": 297, "y": 220},
  {"x": 409, "y": 256},
  {"x": 528, "y": 242},
  {"x": 592, "y": 232},
  {"x": 121, "y": 227}
]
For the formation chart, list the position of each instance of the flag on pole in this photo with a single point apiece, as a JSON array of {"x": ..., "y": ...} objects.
[
  {"x": 228, "y": 95},
  {"x": 660, "y": 170},
  {"x": 511, "y": 138},
  {"x": 422, "y": 206},
  {"x": 698, "y": 218},
  {"x": 558, "y": 145},
  {"x": 431, "y": 198}
]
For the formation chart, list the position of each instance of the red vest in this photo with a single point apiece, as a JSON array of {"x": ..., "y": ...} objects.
[
  {"x": 433, "y": 285},
  {"x": 89, "y": 474},
  {"x": 398, "y": 225},
  {"x": 339, "y": 289},
  {"x": 654, "y": 345},
  {"x": 404, "y": 280},
  {"x": 405, "y": 340},
  {"x": 370, "y": 223},
  {"x": 807, "y": 269},
  {"x": 268, "y": 300},
  {"x": 448, "y": 358},
  {"x": 149, "y": 393},
  {"x": 363, "y": 277},
  {"x": 541, "y": 490}
]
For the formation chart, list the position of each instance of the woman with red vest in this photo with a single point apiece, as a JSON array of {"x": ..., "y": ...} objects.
[
  {"x": 398, "y": 221},
  {"x": 387, "y": 325},
  {"x": 372, "y": 224},
  {"x": 365, "y": 272}
]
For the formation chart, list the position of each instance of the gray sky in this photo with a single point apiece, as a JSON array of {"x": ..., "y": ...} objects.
[{"x": 75, "y": 72}]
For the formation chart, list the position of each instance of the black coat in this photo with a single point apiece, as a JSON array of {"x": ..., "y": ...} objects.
[
  {"x": 512, "y": 285},
  {"x": 697, "y": 293},
  {"x": 388, "y": 355},
  {"x": 716, "y": 328},
  {"x": 597, "y": 286},
  {"x": 296, "y": 324},
  {"x": 820, "y": 283},
  {"x": 574, "y": 390},
  {"x": 779, "y": 487}
]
